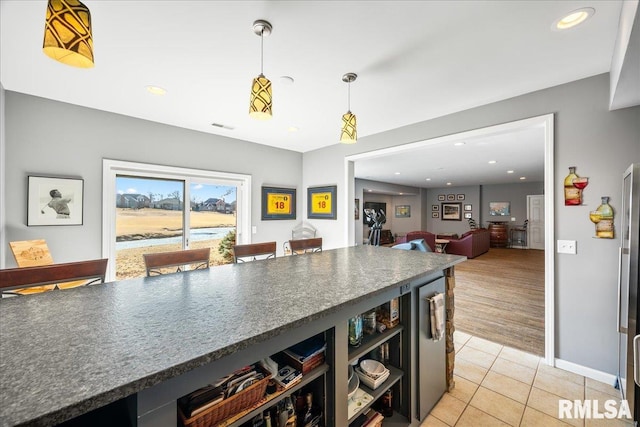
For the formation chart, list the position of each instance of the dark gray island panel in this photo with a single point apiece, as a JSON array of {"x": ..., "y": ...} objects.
[{"x": 157, "y": 337}]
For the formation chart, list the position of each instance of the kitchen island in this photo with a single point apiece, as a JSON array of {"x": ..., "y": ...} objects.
[{"x": 66, "y": 353}]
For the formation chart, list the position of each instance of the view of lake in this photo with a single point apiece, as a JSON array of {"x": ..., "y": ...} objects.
[{"x": 196, "y": 235}]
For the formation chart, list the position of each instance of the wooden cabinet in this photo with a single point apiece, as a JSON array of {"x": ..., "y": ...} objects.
[{"x": 498, "y": 234}]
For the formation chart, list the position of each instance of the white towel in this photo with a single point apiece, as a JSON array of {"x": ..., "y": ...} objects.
[{"x": 436, "y": 309}]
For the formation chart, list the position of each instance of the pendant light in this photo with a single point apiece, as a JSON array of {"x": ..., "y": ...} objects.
[
  {"x": 349, "y": 134},
  {"x": 260, "y": 104},
  {"x": 67, "y": 33}
]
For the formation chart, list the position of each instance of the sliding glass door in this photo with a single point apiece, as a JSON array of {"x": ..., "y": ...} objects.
[{"x": 150, "y": 209}]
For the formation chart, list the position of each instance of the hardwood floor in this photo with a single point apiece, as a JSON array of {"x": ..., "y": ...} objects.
[{"x": 499, "y": 296}]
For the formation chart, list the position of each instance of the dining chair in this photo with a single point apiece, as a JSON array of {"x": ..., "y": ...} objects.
[
  {"x": 254, "y": 252},
  {"x": 305, "y": 246},
  {"x": 18, "y": 281},
  {"x": 173, "y": 262}
]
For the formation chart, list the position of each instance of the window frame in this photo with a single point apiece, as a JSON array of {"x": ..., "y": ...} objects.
[{"x": 112, "y": 168}]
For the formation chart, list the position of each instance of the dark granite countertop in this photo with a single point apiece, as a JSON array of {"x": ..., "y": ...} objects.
[{"x": 68, "y": 352}]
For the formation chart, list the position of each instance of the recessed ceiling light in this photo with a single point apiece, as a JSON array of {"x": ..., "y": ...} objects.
[
  {"x": 156, "y": 90},
  {"x": 293, "y": 129},
  {"x": 369, "y": 191},
  {"x": 492, "y": 162},
  {"x": 428, "y": 179},
  {"x": 287, "y": 80},
  {"x": 573, "y": 18},
  {"x": 510, "y": 171},
  {"x": 401, "y": 194},
  {"x": 523, "y": 177},
  {"x": 448, "y": 183},
  {"x": 458, "y": 144},
  {"x": 396, "y": 173}
]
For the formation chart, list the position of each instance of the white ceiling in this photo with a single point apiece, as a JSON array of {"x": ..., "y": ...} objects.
[{"x": 415, "y": 60}]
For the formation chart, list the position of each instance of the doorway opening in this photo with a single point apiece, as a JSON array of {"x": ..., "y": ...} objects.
[{"x": 546, "y": 123}]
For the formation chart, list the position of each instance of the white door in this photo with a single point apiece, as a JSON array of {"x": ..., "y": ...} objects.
[{"x": 535, "y": 215}]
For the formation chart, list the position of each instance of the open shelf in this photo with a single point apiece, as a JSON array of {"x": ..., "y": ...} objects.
[
  {"x": 396, "y": 420},
  {"x": 369, "y": 342},
  {"x": 258, "y": 408},
  {"x": 394, "y": 376}
]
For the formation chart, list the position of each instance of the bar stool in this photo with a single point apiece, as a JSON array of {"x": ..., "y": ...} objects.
[
  {"x": 254, "y": 252},
  {"x": 518, "y": 235}
]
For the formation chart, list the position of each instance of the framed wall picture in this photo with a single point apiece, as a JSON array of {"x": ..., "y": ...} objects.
[
  {"x": 467, "y": 208},
  {"x": 321, "y": 202},
  {"x": 441, "y": 197},
  {"x": 278, "y": 203},
  {"x": 459, "y": 196},
  {"x": 357, "y": 211},
  {"x": 467, "y": 215},
  {"x": 435, "y": 214},
  {"x": 435, "y": 208},
  {"x": 499, "y": 208},
  {"x": 403, "y": 211},
  {"x": 451, "y": 212},
  {"x": 54, "y": 201},
  {"x": 451, "y": 197}
]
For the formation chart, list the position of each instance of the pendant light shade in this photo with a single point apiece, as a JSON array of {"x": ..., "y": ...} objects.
[
  {"x": 260, "y": 103},
  {"x": 67, "y": 33},
  {"x": 349, "y": 134}
]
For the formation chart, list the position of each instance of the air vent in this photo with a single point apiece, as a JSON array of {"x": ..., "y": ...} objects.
[{"x": 219, "y": 125}]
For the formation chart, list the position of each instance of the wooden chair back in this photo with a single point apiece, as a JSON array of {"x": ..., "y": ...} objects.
[
  {"x": 305, "y": 246},
  {"x": 175, "y": 261},
  {"x": 31, "y": 253},
  {"x": 13, "y": 279},
  {"x": 254, "y": 251}
]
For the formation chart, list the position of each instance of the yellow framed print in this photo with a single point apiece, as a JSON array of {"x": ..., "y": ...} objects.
[
  {"x": 278, "y": 203},
  {"x": 321, "y": 202}
]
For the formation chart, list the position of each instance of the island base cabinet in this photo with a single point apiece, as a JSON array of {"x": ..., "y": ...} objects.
[{"x": 431, "y": 353}]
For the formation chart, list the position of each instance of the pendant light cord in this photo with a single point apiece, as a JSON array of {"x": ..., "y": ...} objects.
[
  {"x": 261, "y": 51},
  {"x": 349, "y": 97}
]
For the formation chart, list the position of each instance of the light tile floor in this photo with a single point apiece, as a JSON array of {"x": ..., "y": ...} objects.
[{"x": 502, "y": 386}]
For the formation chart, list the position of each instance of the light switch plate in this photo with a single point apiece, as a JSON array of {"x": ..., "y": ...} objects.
[
  {"x": 254, "y": 229},
  {"x": 567, "y": 247}
]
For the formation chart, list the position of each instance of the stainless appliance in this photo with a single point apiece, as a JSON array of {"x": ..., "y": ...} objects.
[{"x": 628, "y": 289}]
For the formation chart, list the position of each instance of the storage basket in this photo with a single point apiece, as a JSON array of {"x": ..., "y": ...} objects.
[{"x": 230, "y": 406}]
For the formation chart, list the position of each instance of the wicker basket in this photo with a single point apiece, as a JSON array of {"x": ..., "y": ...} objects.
[{"x": 229, "y": 407}]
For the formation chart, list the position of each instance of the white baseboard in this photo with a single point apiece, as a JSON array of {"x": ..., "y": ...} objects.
[{"x": 594, "y": 374}]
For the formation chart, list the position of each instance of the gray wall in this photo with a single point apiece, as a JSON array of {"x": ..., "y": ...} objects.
[
  {"x": 514, "y": 193},
  {"x": 398, "y": 226},
  {"x": 437, "y": 225},
  {"x": 602, "y": 144},
  {"x": 45, "y": 137}
]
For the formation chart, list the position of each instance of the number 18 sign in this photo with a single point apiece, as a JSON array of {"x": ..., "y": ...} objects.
[
  {"x": 321, "y": 202},
  {"x": 278, "y": 203}
]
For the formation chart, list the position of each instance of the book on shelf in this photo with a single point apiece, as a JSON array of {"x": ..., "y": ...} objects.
[{"x": 287, "y": 376}]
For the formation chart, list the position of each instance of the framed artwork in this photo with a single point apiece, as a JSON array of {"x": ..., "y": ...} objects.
[
  {"x": 54, "y": 201},
  {"x": 403, "y": 211},
  {"x": 467, "y": 215},
  {"x": 451, "y": 212},
  {"x": 451, "y": 197},
  {"x": 321, "y": 202},
  {"x": 467, "y": 208},
  {"x": 459, "y": 196},
  {"x": 435, "y": 214},
  {"x": 441, "y": 197},
  {"x": 278, "y": 203},
  {"x": 357, "y": 211},
  {"x": 435, "y": 208},
  {"x": 499, "y": 208}
]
